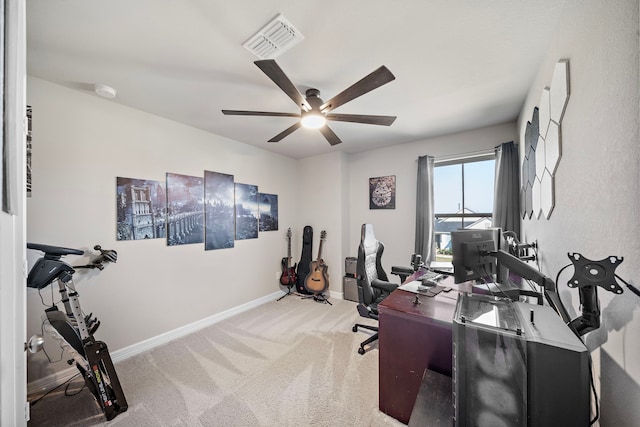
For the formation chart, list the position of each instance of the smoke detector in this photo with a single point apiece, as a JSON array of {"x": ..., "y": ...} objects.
[
  {"x": 104, "y": 91},
  {"x": 273, "y": 39}
]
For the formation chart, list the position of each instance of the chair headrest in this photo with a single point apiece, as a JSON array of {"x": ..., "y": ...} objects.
[{"x": 367, "y": 237}]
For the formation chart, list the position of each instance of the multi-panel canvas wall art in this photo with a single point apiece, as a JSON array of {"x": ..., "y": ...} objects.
[
  {"x": 140, "y": 209},
  {"x": 185, "y": 210},
  {"x": 268, "y": 212},
  {"x": 246, "y": 197},
  {"x": 219, "y": 211}
]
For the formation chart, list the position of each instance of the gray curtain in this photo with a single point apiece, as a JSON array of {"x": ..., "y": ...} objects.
[
  {"x": 425, "y": 215},
  {"x": 506, "y": 202}
]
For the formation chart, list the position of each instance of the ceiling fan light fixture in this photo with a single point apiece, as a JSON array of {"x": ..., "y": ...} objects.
[{"x": 313, "y": 120}]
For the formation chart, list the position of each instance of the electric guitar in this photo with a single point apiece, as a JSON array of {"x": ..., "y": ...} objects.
[
  {"x": 288, "y": 277},
  {"x": 317, "y": 280}
]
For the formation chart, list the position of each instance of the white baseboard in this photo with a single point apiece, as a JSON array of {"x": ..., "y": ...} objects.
[
  {"x": 40, "y": 385},
  {"x": 336, "y": 295}
]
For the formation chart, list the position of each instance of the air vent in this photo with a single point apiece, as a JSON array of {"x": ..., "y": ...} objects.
[{"x": 273, "y": 39}]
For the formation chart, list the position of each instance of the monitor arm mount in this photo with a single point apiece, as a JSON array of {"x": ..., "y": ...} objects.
[
  {"x": 587, "y": 276},
  {"x": 524, "y": 270},
  {"x": 517, "y": 249}
]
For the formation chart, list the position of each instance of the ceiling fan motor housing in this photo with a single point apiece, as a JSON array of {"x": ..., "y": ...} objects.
[{"x": 313, "y": 98}]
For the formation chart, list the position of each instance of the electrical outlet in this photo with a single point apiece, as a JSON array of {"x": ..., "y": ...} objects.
[{"x": 277, "y": 275}]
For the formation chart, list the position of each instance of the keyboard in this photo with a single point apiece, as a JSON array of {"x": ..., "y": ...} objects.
[{"x": 430, "y": 275}]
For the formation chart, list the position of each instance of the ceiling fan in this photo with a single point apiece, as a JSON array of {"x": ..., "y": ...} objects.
[{"x": 313, "y": 111}]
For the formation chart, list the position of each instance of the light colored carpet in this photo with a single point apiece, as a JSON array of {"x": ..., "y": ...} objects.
[{"x": 292, "y": 362}]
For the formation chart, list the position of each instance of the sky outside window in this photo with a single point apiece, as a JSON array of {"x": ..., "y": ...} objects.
[
  {"x": 478, "y": 186},
  {"x": 447, "y": 188}
]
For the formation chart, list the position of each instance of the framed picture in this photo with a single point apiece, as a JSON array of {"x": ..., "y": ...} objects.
[{"x": 382, "y": 192}]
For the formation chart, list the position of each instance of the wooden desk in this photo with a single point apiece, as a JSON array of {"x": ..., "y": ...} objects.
[{"x": 412, "y": 339}]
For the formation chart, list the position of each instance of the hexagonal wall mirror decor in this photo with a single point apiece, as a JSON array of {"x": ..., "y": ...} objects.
[
  {"x": 525, "y": 172},
  {"x": 527, "y": 138},
  {"x": 535, "y": 202},
  {"x": 531, "y": 136},
  {"x": 553, "y": 149},
  {"x": 559, "y": 91},
  {"x": 547, "y": 197},
  {"x": 540, "y": 149},
  {"x": 543, "y": 148},
  {"x": 532, "y": 166},
  {"x": 528, "y": 201},
  {"x": 544, "y": 114},
  {"x": 535, "y": 125}
]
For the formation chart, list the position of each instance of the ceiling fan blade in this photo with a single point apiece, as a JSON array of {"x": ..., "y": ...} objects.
[
  {"x": 373, "y": 81},
  {"x": 258, "y": 113},
  {"x": 275, "y": 73},
  {"x": 362, "y": 118},
  {"x": 330, "y": 135},
  {"x": 285, "y": 132}
]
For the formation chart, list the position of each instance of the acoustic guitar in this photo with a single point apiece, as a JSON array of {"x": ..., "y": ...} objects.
[
  {"x": 317, "y": 280},
  {"x": 288, "y": 277}
]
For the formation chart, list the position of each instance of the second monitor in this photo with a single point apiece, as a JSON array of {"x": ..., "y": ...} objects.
[{"x": 469, "y": 248}]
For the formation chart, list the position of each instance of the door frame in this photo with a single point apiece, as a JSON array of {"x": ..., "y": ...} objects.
[{"x": 13, "y": 370}]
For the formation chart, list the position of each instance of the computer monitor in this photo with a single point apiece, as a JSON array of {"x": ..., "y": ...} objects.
[{"x": 470, "y": 256}]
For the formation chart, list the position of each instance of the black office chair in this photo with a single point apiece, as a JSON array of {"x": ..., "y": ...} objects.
[{"x": 373, "y": 284}]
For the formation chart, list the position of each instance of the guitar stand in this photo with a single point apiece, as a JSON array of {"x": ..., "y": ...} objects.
[
  {"x": 319, "y": 298},
  {"x": 288, "y": 293}
]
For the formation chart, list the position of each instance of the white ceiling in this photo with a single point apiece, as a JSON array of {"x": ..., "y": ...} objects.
[{"x": 459, "y": 65}]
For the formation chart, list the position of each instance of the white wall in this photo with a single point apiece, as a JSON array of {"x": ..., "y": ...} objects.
[
  {"x": 322, "y": 191},
  {"x": 81, "y": 143},
  {"x": 396, "y": 227},
  {"x": 597, "y": 193}
]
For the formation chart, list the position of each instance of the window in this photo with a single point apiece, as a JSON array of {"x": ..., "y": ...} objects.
[{"x": 463, "y": 198}]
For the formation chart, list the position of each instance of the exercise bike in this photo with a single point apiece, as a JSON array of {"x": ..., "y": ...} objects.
[{"x": 75, "y": 328}]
